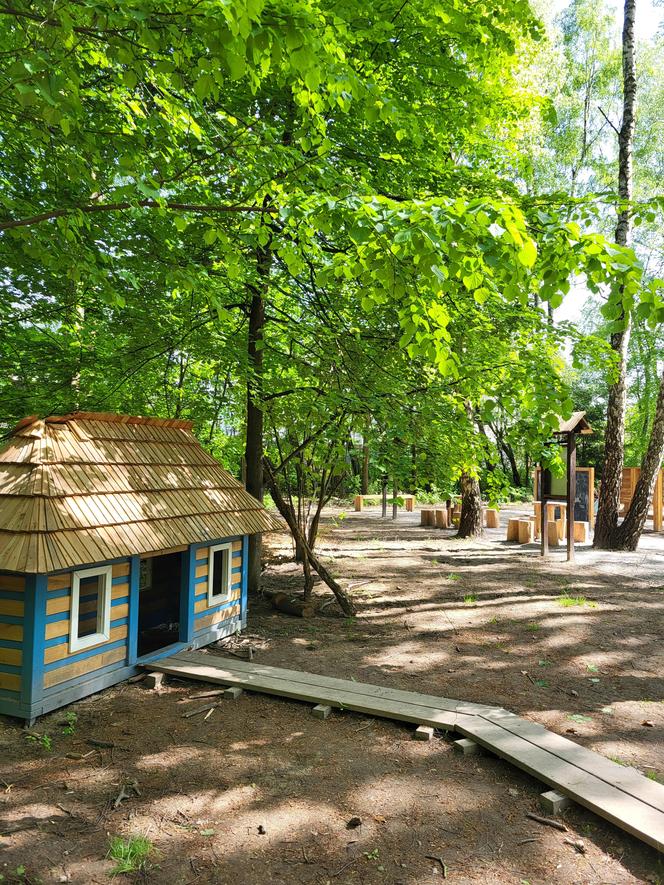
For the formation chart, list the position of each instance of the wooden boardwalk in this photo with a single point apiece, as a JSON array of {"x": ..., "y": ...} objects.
[{"x": 619, "y": 794}]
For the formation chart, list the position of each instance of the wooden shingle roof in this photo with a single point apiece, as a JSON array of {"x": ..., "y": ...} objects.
[
  {"x": 89, "y": 487},
  {"x": 577, "y": 423}
]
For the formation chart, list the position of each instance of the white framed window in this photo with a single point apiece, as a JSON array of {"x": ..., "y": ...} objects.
[
  {"x": 90, "y": 607},
  {"x": 219, "y": 573}
]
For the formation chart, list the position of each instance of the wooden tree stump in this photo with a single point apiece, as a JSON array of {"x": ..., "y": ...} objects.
[
  {"x": 581, "y": 532},
  {"x": 427, "y": 516},
  {"x": 525, "y": 531},
  {"x": 513, "y": 529},
  {"x": 441, "y": 517},
  {"x": 492, "y": 518}
]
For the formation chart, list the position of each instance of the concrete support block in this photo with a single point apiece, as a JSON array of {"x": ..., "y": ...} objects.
[
  {"x": 423, "y": 733},
  {"x": 321, "y": 711},
  {"x": 233, "y": 693},
  {"x": 554, "y": 803},
  {"x": 154, "y": 680},
  {"x": 467, "y": 747}
]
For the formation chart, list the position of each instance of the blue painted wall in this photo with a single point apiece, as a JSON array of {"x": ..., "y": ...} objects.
[{"x": 116, "y": 659}]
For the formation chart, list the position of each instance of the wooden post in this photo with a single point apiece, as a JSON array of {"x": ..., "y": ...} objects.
[
  {"x": 544, "y": 527},
  {"x": 591, "y": 497},
  {"x": 384, "y": 492},
  {"x": 395, "y": 492},
  {"x": 571, "y": 493}
]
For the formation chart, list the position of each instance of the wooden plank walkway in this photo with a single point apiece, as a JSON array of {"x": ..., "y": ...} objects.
[{"x": 619, "y": 794}]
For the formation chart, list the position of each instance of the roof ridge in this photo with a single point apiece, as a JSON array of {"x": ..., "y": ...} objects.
[{"x": 119, "y": 418}]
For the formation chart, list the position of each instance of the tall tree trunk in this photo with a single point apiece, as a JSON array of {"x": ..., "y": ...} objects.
[
  {"x": 254, "y": 440},
  {"x": 364, "y": 482},
  {"x": 614, "y": 440},
  {"x": 628, "y": 533},
  {"x": 470, "y": 525},
  {"x": 511, "y": 459}
]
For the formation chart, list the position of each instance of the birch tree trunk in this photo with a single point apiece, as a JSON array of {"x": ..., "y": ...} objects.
[
  {"x": 629, "y": 531},
  {"x": 614, "y": 441}
]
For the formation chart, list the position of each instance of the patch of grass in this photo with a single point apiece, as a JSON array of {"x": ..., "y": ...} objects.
[
  {"x": 593, "y": 668},
  {"x": 544, "y": 663},
  {"x": 45, "y": 741},
  {"x": 579, "y": 717},
  {"x": 453, "y": 577},
  {"x": 130, "y": 855},
  {"x": 568, "y": 601},
  {"x": 618, "y": 761},
  {"x": 470, "y": 598},
  {"x": 533, "y": 626},
  {"x": 653, "y": 776},
  {"x": 541, "y": 683},
  {"x": 70, "y": 719}
]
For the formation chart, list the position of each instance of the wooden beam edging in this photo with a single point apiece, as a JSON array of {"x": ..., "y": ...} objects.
[{"x": 623, "y": 797}]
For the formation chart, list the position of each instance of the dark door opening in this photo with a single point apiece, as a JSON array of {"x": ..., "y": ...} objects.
[{"x": 160, "y": 588}]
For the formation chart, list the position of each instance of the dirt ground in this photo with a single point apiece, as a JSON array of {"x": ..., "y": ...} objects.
[{"x": 261, "y": 792}]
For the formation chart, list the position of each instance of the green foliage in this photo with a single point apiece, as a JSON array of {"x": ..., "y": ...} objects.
[
  {"x": 568, "y": 601},
  {"x": 373, "y": 159},
  {"x": 43, "y": 740},
  {"x": 131, "y": 855},
  {"x": 71, "y": 720}
]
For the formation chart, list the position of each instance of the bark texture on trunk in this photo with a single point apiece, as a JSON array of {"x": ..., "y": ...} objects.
[
  {"x": 254, "y": 440},
  {"x": 628, "y": 533},
  {"x": 364, "y": 482},
  {"x": 614, "y": 441},
  {"x": 470, "y": 524}
]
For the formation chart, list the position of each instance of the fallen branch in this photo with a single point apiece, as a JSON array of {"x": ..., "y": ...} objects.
[
  {"x": 548, "y": 822},
  {"x": 291, "y": 605},
  {"x": 204, "y": 709},
  {"x": 344, "y": 867},
  {"x": 440, "y": 861},
  {"x": 127, "y": 791}
]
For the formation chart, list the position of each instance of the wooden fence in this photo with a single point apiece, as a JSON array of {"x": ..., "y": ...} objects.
[{"x": 630, "y": 478}]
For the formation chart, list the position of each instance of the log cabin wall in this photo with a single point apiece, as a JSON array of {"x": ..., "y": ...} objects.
[
  {"x": 12, "y": 612},
  {"x": 213, "y": 620},
  {"x": 59, "y": 662}
]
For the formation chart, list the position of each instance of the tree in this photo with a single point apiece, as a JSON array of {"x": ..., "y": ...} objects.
[
  {"x": 226, "y": 174},
  {"x": 614, "y": 437}
]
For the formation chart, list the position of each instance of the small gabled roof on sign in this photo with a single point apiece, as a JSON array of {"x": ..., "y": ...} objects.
[
  {"x": 577, "y": 423},
  {"x": 91, "y": 486}
]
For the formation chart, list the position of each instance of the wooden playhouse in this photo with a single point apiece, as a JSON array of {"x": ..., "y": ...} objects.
[{"x": 121, "y": 540}]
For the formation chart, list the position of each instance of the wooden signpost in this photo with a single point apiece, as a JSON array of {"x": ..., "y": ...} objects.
[{"x": 566, "y": 436}]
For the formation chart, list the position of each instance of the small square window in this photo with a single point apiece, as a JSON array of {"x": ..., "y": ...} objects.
[
  {"x": 90, "y": 607},
  {"x": 219, "y": 573}
]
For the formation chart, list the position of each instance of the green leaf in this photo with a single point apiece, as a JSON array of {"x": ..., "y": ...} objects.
[{"x": 527, "y": 254}]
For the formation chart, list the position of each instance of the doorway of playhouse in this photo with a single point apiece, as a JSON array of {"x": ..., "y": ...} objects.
[{"x": 160, "y": 589}]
